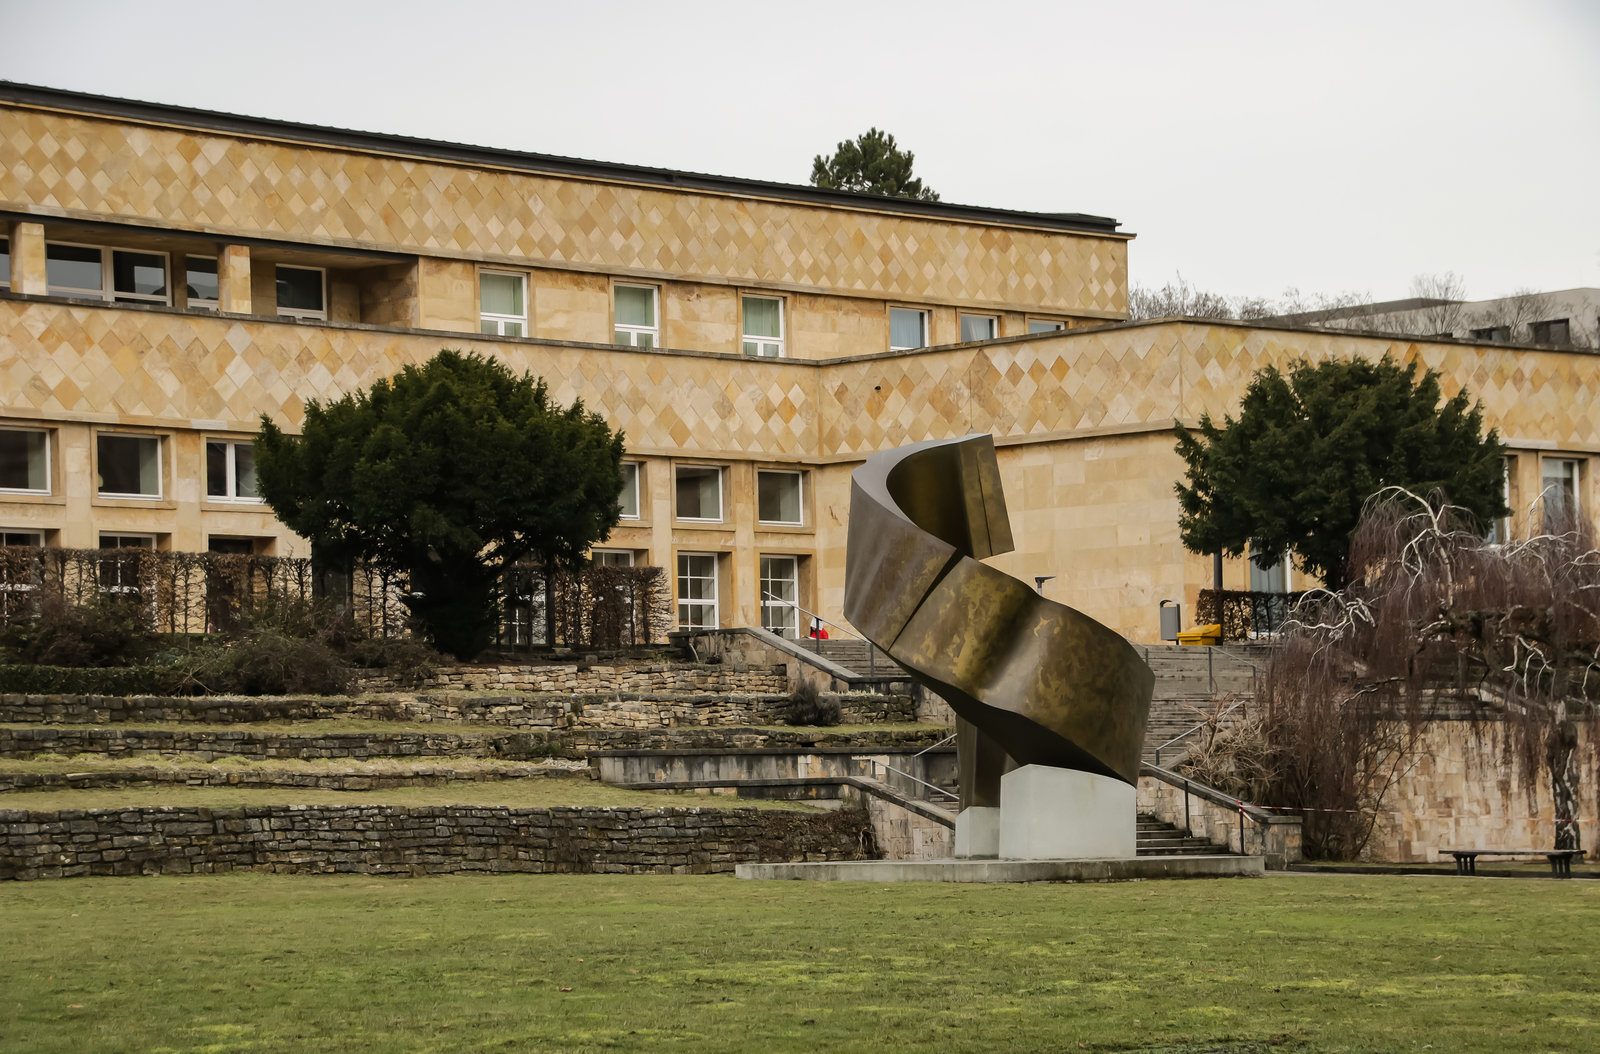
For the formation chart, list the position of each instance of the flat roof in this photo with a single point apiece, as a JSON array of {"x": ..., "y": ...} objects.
[{"x": 543, "y": 164}]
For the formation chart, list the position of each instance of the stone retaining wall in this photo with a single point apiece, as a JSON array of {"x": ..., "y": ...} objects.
[
  {"x": 343, "y": 779},
  {"x": 201, "y": 744},
  {"x": 590, "y": 679},
  {"x": 506, "y": 709},
  {"x": 382, "y": 839}
]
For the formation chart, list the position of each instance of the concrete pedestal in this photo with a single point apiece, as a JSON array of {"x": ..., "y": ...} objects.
[
  {"x": 1062, "y": 814},
  {"x": 978, "y": 833}
]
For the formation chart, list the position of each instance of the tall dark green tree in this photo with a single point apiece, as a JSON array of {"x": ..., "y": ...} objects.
[
  {"x": 449, "y": 472},
  {"x": 1309, "y": 447},
  {"x": 870, "y": 164}
]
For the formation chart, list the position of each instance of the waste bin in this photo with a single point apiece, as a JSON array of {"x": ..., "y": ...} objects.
[{"x": 1171, "y": 619}]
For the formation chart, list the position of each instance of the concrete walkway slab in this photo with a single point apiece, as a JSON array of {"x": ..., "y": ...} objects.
[{"x": 1124, "y": 870}]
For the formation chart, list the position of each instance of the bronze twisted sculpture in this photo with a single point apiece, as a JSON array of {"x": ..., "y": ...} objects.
[{"x": 1033, "y": 682}]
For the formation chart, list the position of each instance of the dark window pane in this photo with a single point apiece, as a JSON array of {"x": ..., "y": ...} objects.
[
  {"x": 72, "y": 268},
  {"x": 299, "y": 288}
]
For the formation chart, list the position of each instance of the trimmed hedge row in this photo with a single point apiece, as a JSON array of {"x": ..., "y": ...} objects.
[{"x": 95, "y": 680}]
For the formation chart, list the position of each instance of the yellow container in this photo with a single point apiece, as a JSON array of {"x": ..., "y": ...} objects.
[{"x": 1202, "y": 635}]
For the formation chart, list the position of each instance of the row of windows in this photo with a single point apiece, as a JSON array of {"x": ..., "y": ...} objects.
[
  {"x": 1550, "y": 331},
  {"x": 127, "y": 465},
  {"x": 503, "y": 311},
  {"x": 138, "y": 276},
  {"x": 697, "y": 492},
  {"x": 779, "y": 583}
]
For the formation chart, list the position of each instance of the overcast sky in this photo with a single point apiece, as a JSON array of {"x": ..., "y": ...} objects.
[{"x": 1252, "y": 146}]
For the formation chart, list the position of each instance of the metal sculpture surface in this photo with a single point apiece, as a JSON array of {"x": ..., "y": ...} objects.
[{"x": 1034, "y": 682}]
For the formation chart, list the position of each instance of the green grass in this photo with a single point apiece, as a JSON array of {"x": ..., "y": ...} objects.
[
  {"x": 517, "y": 794},
  {"x": 1304, "y": 963}
]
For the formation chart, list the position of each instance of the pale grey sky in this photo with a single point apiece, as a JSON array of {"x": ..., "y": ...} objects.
[{"x": 1252, "y": 146}]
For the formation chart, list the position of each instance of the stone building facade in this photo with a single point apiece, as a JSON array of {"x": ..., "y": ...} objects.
[{"x": 169, "y": 275}]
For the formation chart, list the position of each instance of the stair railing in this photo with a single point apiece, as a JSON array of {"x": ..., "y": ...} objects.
[
  {"x": 933, "y": 789},
  {"x": 1263, "y": 819},
  {"x": 1185, "y": 735},
  {"x": 812, "y": 619}
]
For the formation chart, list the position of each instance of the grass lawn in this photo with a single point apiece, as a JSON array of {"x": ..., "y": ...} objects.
[{"x": 1307, "y": 963}]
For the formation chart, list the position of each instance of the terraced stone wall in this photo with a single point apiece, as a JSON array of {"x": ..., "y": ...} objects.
[
  {"x": 386, "y": 839},
  {"x": 581, "y": 679}
]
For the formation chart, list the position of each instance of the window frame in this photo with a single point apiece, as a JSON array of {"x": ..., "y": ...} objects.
[
  {"x": 160, "y": 459},
  {"x": 595, "y": 556},
  {"x": 1499, "y": 531},
  {"x": 766, "y": 347},
  {"x": 49, "y": 474},
  {"x": 1547, "y": 483},
  {"x": 634, "y": 332},
  {"x": 994, "y": 326},
  {"x": 121, "y": 588},
  {"x": 201, "y": 303},
  {"x": 1036, "y": 326},
  {"x": 300, "y": 312},
  {"x": 108, "y": 276},
  {"x": 713, "y": 604},
  {"x": 800, "y": 496},
  {"x": 925, "y": 319},
  {"x": 230, "y": 471},
  {"x": 502, "y": 320},
  {"x": 636, "y": 484},
  {"x": 769, "y": 606},
  {"x": 721, "y": 472}
]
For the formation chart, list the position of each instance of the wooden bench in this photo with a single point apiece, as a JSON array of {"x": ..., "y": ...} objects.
[{"x": 1560, "y": 859}]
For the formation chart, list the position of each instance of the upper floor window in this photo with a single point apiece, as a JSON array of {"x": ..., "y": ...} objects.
[
  {"x": 1045, "y": 325},
  {"x": 99, "y": 273},
  {"x": 200, "y": 286},
  {"x": 763, "y": 326},
  {"x": 25, "y": 460},
  {"x": 778, "y": 498},
  {"x": 5, "y": 263},
  {"x": 979, "y": 327},
  {"x": 637, "y": 321},
  {"x": 1494, "y": 334},
  {"x": 231, "y": 471},
  {"x": 128, "y": 466},
  {"x": 611, "y": 557},
  {"x": 1555, "y": 331},
  {"x": 699, "y": 492},
  {"x": 301, "y": 292},
  {"x": 629, "y": 498},
  {"x": 502, "y": 303},
  {"x": 908, "y": 328}
]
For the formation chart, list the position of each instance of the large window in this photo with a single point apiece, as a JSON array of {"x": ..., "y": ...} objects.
[
  {"x": 129, "y": 466},
  {"x": 99, "y": 273},
  {"x": 231, "y": 471},
  {"x": 908, "y": 328},
  {"x": 699, "y": 492},
  {"x": 201, "y": 288},
  {"x": 502, "y": 303},
  {"x": 1500, "y": 529},
  {"x": 1559, "y": 493},
  {"x": 979, "y": 327},
  {"x": 1273, "y": 579},
  {"x": 763, "y": 326},
  {"x": 25, "y": 460},
  {"x": 301, "y": 292},
  {"x": 611, "y": 557},
  {"x": 119, "y": 568},
  {"x": 637, "y": 322},
  {"x": 1493, "y": 334},
  {"x": 1555, "y": 331},
  {"x": 778, "y": 498},
  {"x": 780, "y": 595},
  {"x": 629, "y": 498},
  {"x": 20, "y": 573},
  {"x": 697, "y": 590}
]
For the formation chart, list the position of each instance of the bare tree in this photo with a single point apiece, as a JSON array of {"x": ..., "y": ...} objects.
[{"x": 1444, "y": 315}]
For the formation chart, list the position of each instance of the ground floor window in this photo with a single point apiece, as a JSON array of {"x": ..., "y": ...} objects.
[
  {"x": 780, "y": 595},
  {"x": 119, "y": 567},
  {"x": 697, "y": 590}
]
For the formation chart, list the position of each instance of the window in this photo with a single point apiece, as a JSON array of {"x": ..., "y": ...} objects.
[
  {"x": 25, "y": 460},
  {"x": 778, "y": 498},
  {"x": 31, "y": 539},
  {"x": 5, "y": 263},
  {"x": 1500, "y": 529},
  {"x": 780, "y": 596},
  {"x": 1493, "y": 334},
  {"x": 1558, "y": 490},
  {"x": 300, "y": 292},
  {"x": 699, "y": 493},
  {"x": 201, "y": 289},
  {"x": 129, "y": 466},
  {"x": 763, "y": 326},
  {"x": 908, "y": 328},
  {"x": 636, "y": 316},
  {"x": 119, "y": 569},
  {"x": 230, "y": 546},
  {"x": 979, "y": 327},
  {"x": 502, "y": 303},
  {"x": 629, "y": 498},
  {"x": 611, "y": 557},
  {"x": 697, "y": 590},
  {"x": 1555, "y": 331},
  {"x": 106, "y": 274},
  {"x": 1045, "y": 325},
  {"x": 231, "y": 471},
  {"x": 20, "y": 573},
  {"x": 1269, "y": 612}
]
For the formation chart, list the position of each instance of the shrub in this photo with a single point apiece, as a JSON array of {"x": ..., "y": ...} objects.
[
  {"x": 807, "y": 706},
  {"x": 107, "y": 630},
  {"x": 94, "y": 680}
]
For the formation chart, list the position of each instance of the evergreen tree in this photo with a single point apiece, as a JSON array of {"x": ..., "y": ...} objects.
[
  {"x": 1308, "y": 449},
  {"x": 450, "y": 472},
  {"x": 870, "y": 164}
]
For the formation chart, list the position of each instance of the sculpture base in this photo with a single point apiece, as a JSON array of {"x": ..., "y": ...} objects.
[
  {"x": 978, "y": 833},
  {"x": 1048, "y": 813}
]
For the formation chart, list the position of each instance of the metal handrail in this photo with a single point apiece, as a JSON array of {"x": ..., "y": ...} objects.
[
  {"x": 1185, "y": 735},
  {"x": 876, "y": 764},
  {"x": 941, "y": 743},
  {"x": 872, "y": 649}
]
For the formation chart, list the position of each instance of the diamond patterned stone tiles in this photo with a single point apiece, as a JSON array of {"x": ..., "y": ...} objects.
[{"x": 249, "y": 188}]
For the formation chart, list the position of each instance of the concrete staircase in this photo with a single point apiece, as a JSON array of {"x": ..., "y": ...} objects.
[{"x": 1159, "y": 838}]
